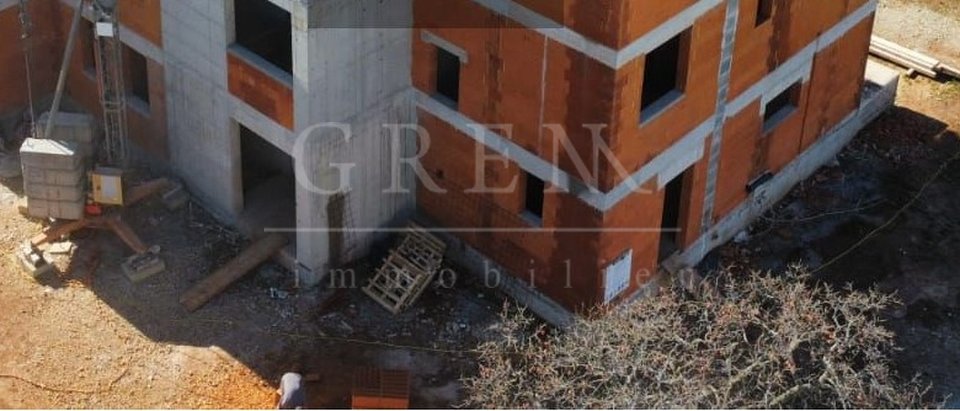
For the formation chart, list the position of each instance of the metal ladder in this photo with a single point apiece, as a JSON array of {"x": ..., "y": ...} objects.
[{"x": 110, "y": 80}]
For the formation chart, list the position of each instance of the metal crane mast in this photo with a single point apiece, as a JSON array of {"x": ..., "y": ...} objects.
[{"x": 108, "y": 47}]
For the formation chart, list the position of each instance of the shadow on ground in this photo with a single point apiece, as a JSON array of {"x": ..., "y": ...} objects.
[
  {"x": 266, "y": 324},
  {"x": 883, "y": 217}
]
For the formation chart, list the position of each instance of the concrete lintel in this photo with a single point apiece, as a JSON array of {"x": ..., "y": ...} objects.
[
  {"x": 666, "y": 31},
  {"x": 661, "y": 165},
  {"x": 527, "y": 160},
  {"x": 261, "y": 64},
  {"x": 688, "y": 149},
  {"x": 836, "y": 32},
  {"x": 597, "y": 51},
  {"x": 265, "y": 127},
  {"x": 444, "y": 44},
  {"x": 800, "y": 76},
  {"x": 283, "y": 4},
  {"x": 798, "y": 66},
  {"x": 801, "y": 64}
]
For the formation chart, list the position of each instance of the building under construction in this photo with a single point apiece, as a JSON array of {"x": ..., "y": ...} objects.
[{"x": 612, "y": 139}]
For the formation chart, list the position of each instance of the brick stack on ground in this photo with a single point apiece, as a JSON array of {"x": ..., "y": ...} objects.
[{"x": 53, "y": 169}]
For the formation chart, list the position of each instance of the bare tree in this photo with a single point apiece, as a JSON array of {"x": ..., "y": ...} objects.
[{"x": 755, "y": 342}]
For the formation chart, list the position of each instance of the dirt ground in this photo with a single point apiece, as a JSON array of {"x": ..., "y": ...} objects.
[
  {"x": 884, "y": 215},
  {"x": 88, "y": 337},
  {"x": 930, "y": 26}
]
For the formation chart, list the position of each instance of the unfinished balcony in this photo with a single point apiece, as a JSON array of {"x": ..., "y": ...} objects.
[{"x": 260, "y": 60}]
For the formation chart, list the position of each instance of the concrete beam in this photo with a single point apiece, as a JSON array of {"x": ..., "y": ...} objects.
[{"x": 597, "y": 51}]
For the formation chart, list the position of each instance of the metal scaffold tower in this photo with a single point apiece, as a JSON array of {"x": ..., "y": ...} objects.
[{"x": 110, "y": 79}]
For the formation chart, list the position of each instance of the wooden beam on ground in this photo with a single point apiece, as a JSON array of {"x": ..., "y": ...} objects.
[
  {"x": 911, "y": 59},
  {"x": 129, "y": 237},
  {"x": 58, "y": 231},
  {"x": 247, "y": 260},
  {"x": 144, "y": 190}
]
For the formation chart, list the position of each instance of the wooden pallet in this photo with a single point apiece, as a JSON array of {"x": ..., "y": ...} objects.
[
  {"x": 380, "y": 389},
  {"x": 407, "y": 270}
]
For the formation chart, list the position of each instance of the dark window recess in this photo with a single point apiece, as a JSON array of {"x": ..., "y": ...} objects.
[
  {"x": 781, "y": 106},
  {"x": 764, "y": 11},
  {"x": 533, "y": 200},
  {"x": 88, "y": 50},
  {"x": 264, "y": 28},
  {"x": 448, "y": 75},
  {"x": 664, "y": 73},
  {"x": 139, "y": 79},
  {"x": 754, "y": 184}
]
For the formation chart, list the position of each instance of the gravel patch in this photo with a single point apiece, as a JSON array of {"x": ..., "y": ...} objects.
[{"x": 920, "y": 27}]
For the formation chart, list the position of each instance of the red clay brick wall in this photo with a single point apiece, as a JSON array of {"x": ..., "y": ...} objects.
[
  {"x": 832, "y": 93},
  {"x": 143, "y": 17},
  {"x": 502, "y": 81},
  {"x": 262, "y": 92},
  {"x": 761, "y": 49},
  {"x": 516, "y": 76},
  {"x": 547, "y": 254},
  {"x": 636, "y": 144},
  {"x": 46, "y": 50},
  {"x": 839, "y": 71},
  {"x": 641, "y": 16}
]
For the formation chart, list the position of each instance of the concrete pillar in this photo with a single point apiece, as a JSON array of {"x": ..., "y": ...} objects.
[{"x": 351, "y": 66}]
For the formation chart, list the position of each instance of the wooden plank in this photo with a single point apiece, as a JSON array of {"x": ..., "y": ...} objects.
[
  {"x": 58, "y": 231},
  {"x": 129, "y": 237},
  {"x": 248, "y": 259},
  {"x": 144, "y": 190}
]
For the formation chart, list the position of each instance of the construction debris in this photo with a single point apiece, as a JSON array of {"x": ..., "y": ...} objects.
[
  {"x": 380, "y": 389},
  {"x": 175, "y": 197},
  {"x": 139, "y": 267},
  {"x": 63, "y": 247},
  {"x": 911, "y": 59},
  {"x": 407, "y": 271},
  {"x": 33, "y": 261},
  {"x": 249, "y": 258}
]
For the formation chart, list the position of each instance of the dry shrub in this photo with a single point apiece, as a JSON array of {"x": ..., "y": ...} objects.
[{"x": 755, "y": 342}]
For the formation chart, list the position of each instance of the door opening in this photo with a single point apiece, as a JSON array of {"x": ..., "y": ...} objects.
[
  {"x": 671, "y": 220},
  {"x": 269, "y": 188}
]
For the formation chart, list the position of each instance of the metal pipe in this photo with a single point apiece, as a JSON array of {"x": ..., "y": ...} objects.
[{"x": 61, "y": 81}]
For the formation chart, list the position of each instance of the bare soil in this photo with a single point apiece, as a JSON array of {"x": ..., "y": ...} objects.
[
  {"x": 90, "y": 338},
  {"x": 928, "y": 26}
]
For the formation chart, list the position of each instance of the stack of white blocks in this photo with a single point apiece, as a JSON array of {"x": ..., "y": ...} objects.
[
  {"x": 75, "y": 127},
  {"x": 53, "y": 168}
]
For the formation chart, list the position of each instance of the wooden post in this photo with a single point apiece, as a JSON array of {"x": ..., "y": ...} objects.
[{"x": 249, "y": 258}]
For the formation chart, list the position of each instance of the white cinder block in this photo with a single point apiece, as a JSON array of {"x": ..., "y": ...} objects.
[
  {"x": 50, "y": 154},
  {"x": 67, "y": 210},
  {"x": 33, "y": 175},
  {"x": 53, "y": 192}
]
